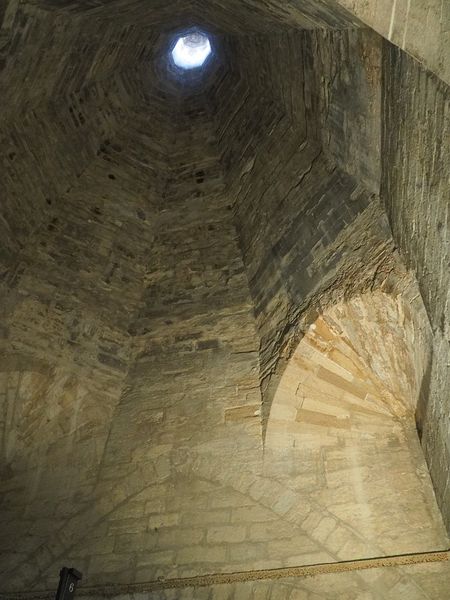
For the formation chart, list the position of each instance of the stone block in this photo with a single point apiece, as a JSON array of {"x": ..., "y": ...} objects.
[
  {"x": 205, "y": 517},
  {"x": 250, "y": 514},
  {"x": 202, "y": 554},
  {"x": 177, "y": 536},
  {"x": 226, "y": 534},
  {"x": 163, "y": 520},
  {"x": 164, "y": 557}
]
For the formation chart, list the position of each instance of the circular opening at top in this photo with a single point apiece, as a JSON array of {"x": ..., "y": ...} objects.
[{"x": 191, "y": 50}]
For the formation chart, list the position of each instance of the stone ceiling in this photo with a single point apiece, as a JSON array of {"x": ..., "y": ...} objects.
[
  {"x": 99, "y": 129},
  {"x": 164, "y": 240}
]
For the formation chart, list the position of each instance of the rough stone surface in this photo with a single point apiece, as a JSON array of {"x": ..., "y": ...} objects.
[
  {"x": 420, "y": 27},
  {"x": 416, "y": 190},
  {"x": 421, "y": 582},
  {"x": 211, "y": 350}
]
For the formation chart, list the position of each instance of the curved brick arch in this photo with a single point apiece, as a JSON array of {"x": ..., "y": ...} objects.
[
  {"x": 367, "y": 354},
  {"x": 344, "y": 412}
]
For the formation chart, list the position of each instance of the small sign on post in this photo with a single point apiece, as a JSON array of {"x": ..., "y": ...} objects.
[{"x": 68, "y": 580}]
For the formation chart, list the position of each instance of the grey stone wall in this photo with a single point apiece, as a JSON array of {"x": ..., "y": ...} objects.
[
  {"x": 348, "y": 70},
  {"x": 416, "y": 192}
]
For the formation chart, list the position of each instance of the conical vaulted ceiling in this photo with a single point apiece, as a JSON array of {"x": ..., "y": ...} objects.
[{"x": 162, "y": 232}]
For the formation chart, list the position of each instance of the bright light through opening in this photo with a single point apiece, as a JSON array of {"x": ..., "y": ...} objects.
[{"x": 191, "y": 50}]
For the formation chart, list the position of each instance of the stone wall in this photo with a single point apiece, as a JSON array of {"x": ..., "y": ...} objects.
[
  {"x": 421, "y": 582},
  {"x": 302, "y": 198},
  {"x": 347, "y": 66},
  {"x": 418, "y": 28},
  {"x": 163, "y": 251},
  {"x": 35, "y": 175},
  {"x": 344, "y": 410},
  {"x": 416, "y": 192}
]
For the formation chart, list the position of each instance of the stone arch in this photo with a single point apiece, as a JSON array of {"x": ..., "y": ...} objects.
[
  {"x": 363, "y": 356},
  {"x": 343, "y": 419}
]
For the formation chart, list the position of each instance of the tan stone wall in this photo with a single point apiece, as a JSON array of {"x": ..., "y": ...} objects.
[
  {"x": 176, "y": 499},
  {"x": 162, "y": 252},
  {"x": 344, "y": 410},
  {"x": 421, "y": 582},
  {"x": 421, "y": 28}
]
